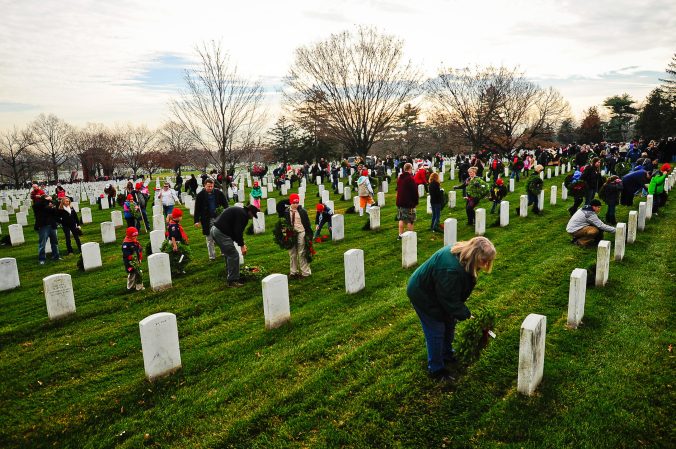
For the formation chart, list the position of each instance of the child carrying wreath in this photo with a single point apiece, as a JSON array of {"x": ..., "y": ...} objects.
[
  {"x": 294, "y": 233},
  {"x": 179, "y": 254},
  {"x": 132, "y": 255}
]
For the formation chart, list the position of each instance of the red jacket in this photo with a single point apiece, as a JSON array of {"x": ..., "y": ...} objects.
[
  {"x": 421, "y": 176},
  {"x": 407, "y": 191}
]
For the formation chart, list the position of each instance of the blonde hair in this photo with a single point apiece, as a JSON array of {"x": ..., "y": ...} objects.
[
  {"x": 475, "y": 254},
  {"x": 434, "y": 177},
  {"x": 62, "y": 201},
  {"x": 472, "y": 169}
]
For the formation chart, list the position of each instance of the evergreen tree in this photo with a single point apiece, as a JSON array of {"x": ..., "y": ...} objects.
[
  {"x": 285, "y": 142},
  {"x": 590, "y": 128},
  {"x": 567, "y": 132},
  {"x": 622, "y": 113},
  {"x": 658, "y": 117}
]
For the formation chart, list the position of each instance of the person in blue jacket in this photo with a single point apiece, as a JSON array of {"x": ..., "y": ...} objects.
[
  {"x": 633, "y": 182},
  {"x": 438, "y": 290}
]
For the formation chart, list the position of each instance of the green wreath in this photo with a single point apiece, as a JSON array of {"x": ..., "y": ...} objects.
[
  {"x": 284, "y": 235},
  {"x": 622, "y": 168},
  {"x": 534, "y": 185},
  {"x": 177, "y": 259},
  {"x": 477, "y": 188},
  {"x": 472, "y": 335}
]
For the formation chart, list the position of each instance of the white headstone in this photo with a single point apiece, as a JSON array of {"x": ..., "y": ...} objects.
[
  {"x": 556, "y": 170},
  {"x": 325, "y": 195},
  {"x": 91, "y": 256},
  {"x": 531, "y": 353},
  {"x": 276, "y": 300},
  {"x": 272, "y": 206},
  {"x": 59, "y": 295},
  {"x": 602, "y": 263},
  {"x": 549, "y": 173},
  {"x": 86, "y": 215},
  {"x": 356, "y": 203},
  {"x": 381, "y": 199},
  {"x": 330, "y": 205},
  {"x": 259, "y": 223},
  {"x": 504, "y": 213},
  {"x": 450, "y": 231},
  {"x": 511, "y": 184},
  {"x": 22, "y": 218},
  {"x": 523, "y": 206},
  {"x": 374, "y": 218},
  {"x": 648, "y": 207},
  {"x": 409, "y": 249},
  {"x": 108, "y": 232},
  {"x": 480, "y": 221},
  {"x": 421, "y": 190},
  {"x": 384, "y": 187},
  {"x": 355, "y": 280},
  {"x": 451, "y": 199},
  {"x": 116, "y": 218},
  {"x": 159, "y": 343},
  {"x": 157, "y": 209},
  {"x": 16, "y": 234},
  {"x": 338, "y": 224},
  {"x": 620, "y": 239},
  {"x": 541, "y": 200},
  {"x": 632, "y": 226},
  {"x": 159, "y": 271},
  {"x": 284, "y": 189},
  {"x": 264, "y": 192},
  {"x": 104, "y": 203},
  {"x": 429, "y": 205},
  {"x": 564, "y": 192},
  {"x": 4, "y": 216},
  {"x": 576, "y": 297},
  {"x": 9, "y": 274},
  {"x": 542, "y": 175},
  {"x": 156, "y": 240},
  {"x": 641, "y": 215},
  {"x": 346, "y": 193},
  {"x": 552, "y": 196},
  {"x": 75, "y": 205},
  {"x": 340, "y": 187},
  {"x": 158, "y": 222}
]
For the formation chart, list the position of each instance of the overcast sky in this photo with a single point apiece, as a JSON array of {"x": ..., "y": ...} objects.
[{"x": 122, "y": 60}]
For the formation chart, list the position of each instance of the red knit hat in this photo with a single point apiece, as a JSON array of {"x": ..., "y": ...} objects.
[
  {"x": 176, "y": 213},
  {"x": 499, "y": 182},
  {"x": 130, "y": 197},
  {"x": 139, "y": 186},
  {"x": 294, "y": 198},
  {"x": 665, "y": 167},
  {"x": 255, "y": 183},
  {"x": 132, "y": 232},
  {"x": 365, "y": 173},
  {"x": 320, "y": 207}
]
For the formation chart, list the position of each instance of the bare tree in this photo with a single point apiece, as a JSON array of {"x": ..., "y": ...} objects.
[
  {"x": 177, "y": 141},
  {"x": 15, "y": 154},
  {"x": 134, "y": 143},
  {"x": 220, "y": 109},
  {"x": 51, "y": 138},
  {"x": 361, "y": 81},
  {"x": 94, "y": 146},
  {"x": 471, "y": 98}
]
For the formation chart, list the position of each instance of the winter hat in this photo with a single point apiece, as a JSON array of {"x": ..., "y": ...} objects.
[
  {"x": 320, "y": 207},
  {"x": 665, "y": 167},
  {"x": 176, "y": 213},
  {"x": 294, "y": 198},
  {"x": 255, "y": 183},
  {"x": 130, "y": 197},
  {"x": 139, "y": 186},
  {"x": 132, "y": 232},
  {"x": 499, "y": 182},
  {"x": 365, "y": 173}
]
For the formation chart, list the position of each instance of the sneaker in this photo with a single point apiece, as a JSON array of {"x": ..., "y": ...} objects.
[
  {"x": 399, "y": 238},
  {"x": 442, "y": 376},
  {"x": 42, "y": 262},
  {"x": 235, "y": 284}
]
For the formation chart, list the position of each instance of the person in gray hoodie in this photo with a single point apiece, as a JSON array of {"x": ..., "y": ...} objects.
[{"x": 586, "y": 227}]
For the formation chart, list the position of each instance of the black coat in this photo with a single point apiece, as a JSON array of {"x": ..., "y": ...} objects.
[
  {"x": 436, "y": 196},
  {"x": 202, "y": 213},
  {"x": 232, "y": 223},
  {"x": 45, "y": 214},
  {"x": 68, "y": 220},
  {"x": 304, "y": 218}
]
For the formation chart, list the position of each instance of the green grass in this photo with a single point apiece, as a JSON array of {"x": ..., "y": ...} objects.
[{"x": 349, "y": 370}]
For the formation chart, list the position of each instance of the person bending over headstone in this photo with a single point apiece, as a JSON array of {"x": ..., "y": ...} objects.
[
  {"x": 586, "y": 227},
  {"x": 229, "y": 228},
  {"x": 207, "y": 201},
  {"x": 323, "y": 217}
]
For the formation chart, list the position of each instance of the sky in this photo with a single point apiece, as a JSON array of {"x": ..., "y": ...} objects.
[{"x": 122, "y": 61}]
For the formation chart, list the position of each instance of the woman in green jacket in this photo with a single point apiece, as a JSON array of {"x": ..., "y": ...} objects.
[
  {"x": 656, "y": 187},
  {"x": 438, "y": 290}
]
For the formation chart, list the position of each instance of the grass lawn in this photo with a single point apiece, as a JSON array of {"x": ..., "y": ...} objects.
[{"x": 349, "y": 370}]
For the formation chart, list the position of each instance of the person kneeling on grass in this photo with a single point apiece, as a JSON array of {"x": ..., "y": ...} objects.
[
  {"x": 438, "y": 290},
  {"x": 323, "y": 217},
  {"x": 586, "y": 227},
  {"x": 132, "y": 255}
]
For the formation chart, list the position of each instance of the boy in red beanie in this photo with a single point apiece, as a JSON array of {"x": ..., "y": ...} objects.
[
  {"x": 498, "y": 192},
  {"x": 323, "y": 217},
  {"x": 132, "y": 255},
  {"x": 176, "y": 235}
]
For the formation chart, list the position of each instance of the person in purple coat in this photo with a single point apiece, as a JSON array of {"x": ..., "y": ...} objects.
[{"x": 631, "y": 183}]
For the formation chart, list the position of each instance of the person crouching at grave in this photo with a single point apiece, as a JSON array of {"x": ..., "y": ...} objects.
[
  {"x": 46, "y": 222},
  {"x": 110, "y": 191},
  {"x": 438, "y": 290},
  {"x": 132, "y": 212},
  {"x": 322, "y": 218},
  {"x": 436, "y": 200},
  {"x": 365, "y": 192},
  {"x": 498, "y": 193},
  {"x": 586, "y": 227},
  {"x": 533, "y": 188},
  {"x": 300, "y": 253},
  {"x": 656, "y": 187},
  {"x": 256, "y": 194},
  {"x": 70, "y": 223},
  {"x": 610, "y": 194},
  {"x": 228, "y": 229},
  {"x": 177, "y": 238},
  {"x": 207, "y": 202},
  {"x": 132, "y": 256}
]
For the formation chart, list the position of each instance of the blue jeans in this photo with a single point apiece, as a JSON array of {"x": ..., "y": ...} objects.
[
  {"x": 438, "y": 338},
  {"x": 496, "y": 203},
  {"x": 227, "y": 246},
  {"x": 436, "y": 214},
  {"x": 144, "y": 214},
  {"x": 44, "y": 233},
  {"x": 515, "y": 174},
  {"x": 167, "y": 209}
]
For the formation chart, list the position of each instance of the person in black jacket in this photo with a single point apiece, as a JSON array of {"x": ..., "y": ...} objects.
[
  {"x": 227, "y": 230},
  {"x": 208, "y": 200},
  {"x": 191, "y": 185},
  {"x": 46, "y": 218},
  {"x": 592, "y": 177},
  {"x": 436, "y": 200},
  {"x": 299, "y": 220},
  {"x": 610, "y": 193},
  {"x": 70, "y": 223}
]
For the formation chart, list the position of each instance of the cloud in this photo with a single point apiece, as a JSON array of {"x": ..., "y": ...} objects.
[{"x": 17, "y": 107}]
